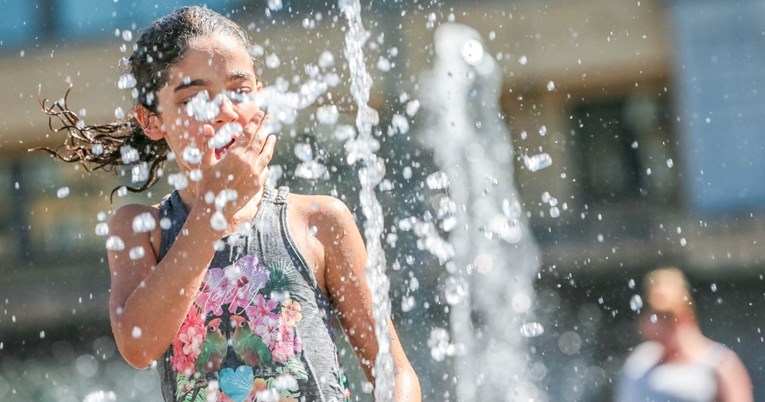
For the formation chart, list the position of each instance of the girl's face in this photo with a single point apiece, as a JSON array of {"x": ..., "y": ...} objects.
[{"x": 215, "y": 71}]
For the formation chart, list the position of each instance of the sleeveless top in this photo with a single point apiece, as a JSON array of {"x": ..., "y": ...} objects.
[
  {"x": 259, "y": 329},
  {"x": 644, "y": 379}
]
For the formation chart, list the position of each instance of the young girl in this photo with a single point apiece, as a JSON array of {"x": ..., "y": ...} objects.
[{"x": 225, "y": 285}]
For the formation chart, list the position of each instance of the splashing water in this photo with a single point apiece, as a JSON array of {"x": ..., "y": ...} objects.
[
  {"x": 362, "y": 148},
  {"x": 495, "y": 257}
]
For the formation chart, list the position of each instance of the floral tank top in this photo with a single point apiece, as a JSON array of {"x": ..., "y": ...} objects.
[{"x": 259, "y": 329}]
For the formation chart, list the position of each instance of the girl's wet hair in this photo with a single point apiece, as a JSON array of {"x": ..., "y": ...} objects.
[{"x": 160, "y": 46}]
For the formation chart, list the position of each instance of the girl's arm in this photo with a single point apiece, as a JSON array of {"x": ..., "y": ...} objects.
[
  {"x": 149, "y": 300},
  {"x": 344, "y": 261}
]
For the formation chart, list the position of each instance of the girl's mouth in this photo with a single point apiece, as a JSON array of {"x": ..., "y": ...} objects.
[
  {"x": 219, "y": 152},
  {"x": 224, "y": 137}
]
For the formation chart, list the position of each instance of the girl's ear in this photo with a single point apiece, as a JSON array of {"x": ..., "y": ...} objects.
[{"x": 150, "y": 122}]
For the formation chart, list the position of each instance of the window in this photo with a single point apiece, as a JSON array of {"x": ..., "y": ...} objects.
[{"x": 625, "y": 151}]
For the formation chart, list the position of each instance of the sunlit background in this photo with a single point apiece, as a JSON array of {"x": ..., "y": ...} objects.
[{"x": 650, "y": 112}]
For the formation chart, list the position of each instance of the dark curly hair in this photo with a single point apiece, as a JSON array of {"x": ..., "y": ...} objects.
[{"x": 161, "y": 45}]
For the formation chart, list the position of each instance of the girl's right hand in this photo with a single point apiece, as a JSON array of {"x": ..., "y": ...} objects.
[{"x": 243, "y": 168}]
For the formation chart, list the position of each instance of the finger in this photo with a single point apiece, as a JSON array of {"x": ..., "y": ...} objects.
[
  {"x": 208, "y": 156},
  {"x": 267, "y": 152}
]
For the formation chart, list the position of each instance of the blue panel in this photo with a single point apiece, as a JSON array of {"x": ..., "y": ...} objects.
[
  {"x": 88, "y": 18},
  {"x": 20, "y": 22},
  {"x": 720, "y": 73}
]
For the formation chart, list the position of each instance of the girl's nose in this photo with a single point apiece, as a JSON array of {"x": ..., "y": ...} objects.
[{"x": 227, "y": 112}]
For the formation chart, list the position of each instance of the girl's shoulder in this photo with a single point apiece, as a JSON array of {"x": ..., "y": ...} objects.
[
  {"x": 320, "y": 208},
  {"x": 133, "y": 219}
]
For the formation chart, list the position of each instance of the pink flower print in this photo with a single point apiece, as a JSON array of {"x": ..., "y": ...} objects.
[
  {"x": 212, "y": 292},
  {"x": 192, "y": 340},
  {"x": 261, "y": 308},
  {"x": 283, "y": 347},
  {"x": 268, "y": 330},
  {"x": 193, "y": 318},
  {"x": 181, "y": 362},
  {"x": 291, "y": 312},
  {"x": 245, "y": 278}
]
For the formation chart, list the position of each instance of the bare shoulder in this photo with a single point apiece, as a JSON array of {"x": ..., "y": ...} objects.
[
  {"x": 321, "y": 209},
  {"x": 122, "y": 220},
  {"x": 123, "y": 224}
]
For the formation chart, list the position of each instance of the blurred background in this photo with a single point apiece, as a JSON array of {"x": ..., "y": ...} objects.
[{"x": 650, "y": 111}]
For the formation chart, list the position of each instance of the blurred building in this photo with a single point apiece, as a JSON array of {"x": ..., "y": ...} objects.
[{"x": 649, "y": 110}]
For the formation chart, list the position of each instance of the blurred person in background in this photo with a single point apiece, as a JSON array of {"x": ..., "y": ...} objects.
[{"x": 676, "y": 362}]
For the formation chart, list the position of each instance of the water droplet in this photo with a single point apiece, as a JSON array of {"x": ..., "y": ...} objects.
[
  {"x": 97, "y": 149},
  {"x": 344, "y": 132},
  {"x": 439, "y": 344},
  {"x": 275, "y": 5},
  {"x": 554, "y": 212},
  {"x": 202, "y": 108},
  {"x": 272, "y": 61},
  {"x": 303, "y": 151},
  {"x": 412, "y": 107},
  {"x": 383, "y": 64},
  {"x": 407, "y": 303},
  {"x": 543, "y": 130},
  {"x": 126, "y": 81},
  {"x": 532, "y": 329},
  {"x": 713, "y": 286},
  {"x": 129, "y": 154},
  {"x": 178, "y": 180},
  {"x": 136, "y": 253},
  {"x": 218, "y": 221},
  {"x": 311, "y": 170},
  {"x": 437, "y": 181},
  {"x": 472, "y": 52},
  {"x": 127, "y": 35},
  {"x": 400, "y": 124},
  {"x": 225, "y": 135},
  {"x": 326, "y": 59},
  {"x": 115, "y": 243},
  {"x": 523, "y": 60},
  {"x": 101, "y": 395},
  {"x": 670, "y": 163},
  {"x": 137, "y": 332},
  {"x": 631, "y": 283},
  {"x": 62, "y": 192},
  {"x": 454, "y": 290},
  {"x": 102, "y": 229},
  {"x": 165, "y": 223},
  {"x": 537, "y": 162},
  {"x": 636, "y": 303},
  {"x": 144, "y": 223},
  {"x": 327, "y": 114},
  {"x": 192, "y": 154},
  {"x": 140, "y": 172},
  {"x": 550, "y": 86}
]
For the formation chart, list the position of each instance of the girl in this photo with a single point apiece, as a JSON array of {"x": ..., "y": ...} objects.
[{"x": 226, "y": 285}]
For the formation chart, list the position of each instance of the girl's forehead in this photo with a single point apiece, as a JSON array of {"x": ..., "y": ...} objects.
[{"x": 209, "y": 53}]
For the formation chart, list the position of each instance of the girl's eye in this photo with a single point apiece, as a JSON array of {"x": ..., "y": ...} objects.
[{"x": 239, "y": 95}]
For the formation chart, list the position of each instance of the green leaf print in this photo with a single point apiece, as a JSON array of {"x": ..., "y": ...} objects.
[{"x": 278, "y": 278}]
